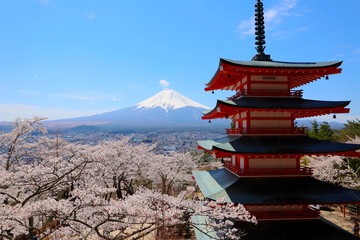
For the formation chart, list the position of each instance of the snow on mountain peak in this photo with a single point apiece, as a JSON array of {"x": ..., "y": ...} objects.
[{"x": 168, "y": 99}]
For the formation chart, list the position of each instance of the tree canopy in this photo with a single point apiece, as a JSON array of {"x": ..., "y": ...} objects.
[
  {"x": 350, "y": 131},
  {"x": 53, "y": 189},
  {"x": 321, "y": 131}
]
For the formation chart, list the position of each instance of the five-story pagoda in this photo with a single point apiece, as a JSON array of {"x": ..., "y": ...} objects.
[{"x": 264, "y": 146}]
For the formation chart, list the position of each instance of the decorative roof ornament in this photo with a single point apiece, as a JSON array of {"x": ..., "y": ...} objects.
[{"x": 260, "y": 33}]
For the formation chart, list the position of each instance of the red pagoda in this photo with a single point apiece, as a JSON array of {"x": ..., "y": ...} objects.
[{"x": 264, "y": 146}]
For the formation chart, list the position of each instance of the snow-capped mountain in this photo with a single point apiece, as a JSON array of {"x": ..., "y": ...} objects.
[
  {"x": 168, "y": 100},
  {"x": 167, "y": 109}
]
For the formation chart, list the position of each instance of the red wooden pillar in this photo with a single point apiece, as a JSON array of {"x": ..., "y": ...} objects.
[
  {"x": 248, "y": 121},
  {"x": 298, "y": 162}
]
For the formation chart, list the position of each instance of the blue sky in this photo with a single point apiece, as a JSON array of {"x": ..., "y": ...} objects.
[{"x": 69, "y": 58}]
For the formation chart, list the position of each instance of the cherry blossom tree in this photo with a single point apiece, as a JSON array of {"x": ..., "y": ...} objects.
[
  {"x": 114, "y": 190},
  {"x": 333, "y": 169},
  {"x": 336, "y": 169},
  {"x": 123, "y": 166},
  {"x": 172, "y": 171},
  {"x": 17, "y": 143}
]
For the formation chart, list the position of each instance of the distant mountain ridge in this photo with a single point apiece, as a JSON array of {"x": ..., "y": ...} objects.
[{"x": 166, "y": 109}]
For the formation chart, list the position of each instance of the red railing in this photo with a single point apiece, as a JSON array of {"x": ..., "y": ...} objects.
[
  {"x": 268, "y": 93},
  {"x": 286, "y": 214},
  {"x": 276, "y": 131},
  {"x": 303, "y": 171}
]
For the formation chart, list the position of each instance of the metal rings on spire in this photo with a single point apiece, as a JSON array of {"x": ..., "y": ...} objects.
[{"x": 260, "y": 33}]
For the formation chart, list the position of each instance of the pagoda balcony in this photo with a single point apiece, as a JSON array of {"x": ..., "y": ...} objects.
[
  {"x": 267, "y": 93},
  {"x": 302, "y": 171},
  {"x": 272, "y": 215},
  {"x": 266, "y": 131}
]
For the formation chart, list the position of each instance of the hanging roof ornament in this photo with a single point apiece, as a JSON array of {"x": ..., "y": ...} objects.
[{"x": 260, "y": 33}]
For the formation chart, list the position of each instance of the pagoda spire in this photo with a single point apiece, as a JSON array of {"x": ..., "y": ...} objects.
[{"x": 260, "y": 33}]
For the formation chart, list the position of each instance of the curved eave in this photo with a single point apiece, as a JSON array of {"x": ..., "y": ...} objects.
[
  {"x": 221, "y": 153},
  {"x": 316, "y": 229},
  {"x": 274, "y": 145},
  {"x": 281, "y": 65},
  {"x": 300, "y": 107},
  {"x": 222, "y": 184},
  {"x": 213, "y": 114},
  {"x": 281, "y": 103},
  {"x": 229, "y": 72},
  {"x": 225, "y": 80},
  {"x": 302, "y": 229}
]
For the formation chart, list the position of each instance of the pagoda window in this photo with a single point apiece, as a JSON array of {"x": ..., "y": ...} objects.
[
  {"x": 265, "y": 86},
  {"x": 269, "y": 78},
  {"x": 242, "y": 163},
  {"x": 271, "y": 123},
  {"x": 244, "y": 82},
  {"x": 271, "y": 120},
  {"x": 264, "y": 83},
  {"x": 272, "y": 163},
  {"x": 233, "y": 160},
  {"x": 270, "y": 114}
]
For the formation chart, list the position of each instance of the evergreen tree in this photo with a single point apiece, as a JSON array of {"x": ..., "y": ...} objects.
[
  {"x": 350, "y": 131},
  {"x": 325, "y": 132},
  {"x": 313, "y": 131},
  {"x": 321, "y": 132}
]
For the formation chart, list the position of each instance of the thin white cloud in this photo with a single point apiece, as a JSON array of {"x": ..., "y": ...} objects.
[
  {"x": 30, "y": 92},
  {"x": 340, "y": 55},
  {"x": 286, "y": 34},
  {"x": 288, "y": 4},
  {"x": 357, "y": 51},
  {"x": 11, "y": 111},
  {"x": 115, "y": 99},
  {"x": 43, "y": 2},
  {"x": 246, "y": 27},
  {"x": 273, "y": 17},
  {"x": 346, "y": 52},
  {"x": 136, "y": 86},
  {"x": 65, "y": 95},
  {"x": 353, "y": 60},
  {"x": 163, "y": 83},
  {"x": 77, "y": 97},
  {"x": 90, "y": 15}
]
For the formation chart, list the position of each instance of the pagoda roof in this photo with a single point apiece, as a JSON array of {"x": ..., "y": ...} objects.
[
  {"x": 229, "y": 72},
  {"x": 272, "y": 145},
  {"x": 280, "y": 64},
  {"x": 221, "y": 183},
  {"x": 301, "y": 107},
  {"x": 315, "y": 229}
]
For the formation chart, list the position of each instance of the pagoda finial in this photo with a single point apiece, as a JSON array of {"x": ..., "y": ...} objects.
[{"x": 260, "y": 33}]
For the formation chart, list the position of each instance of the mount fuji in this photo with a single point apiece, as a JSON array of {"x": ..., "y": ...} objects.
[
  {"x": 167, "y": 109},
  {"x": 168, "y": 100}
]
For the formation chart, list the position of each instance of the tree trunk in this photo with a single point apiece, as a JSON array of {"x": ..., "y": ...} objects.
[{"x": 31, "y": 228}]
